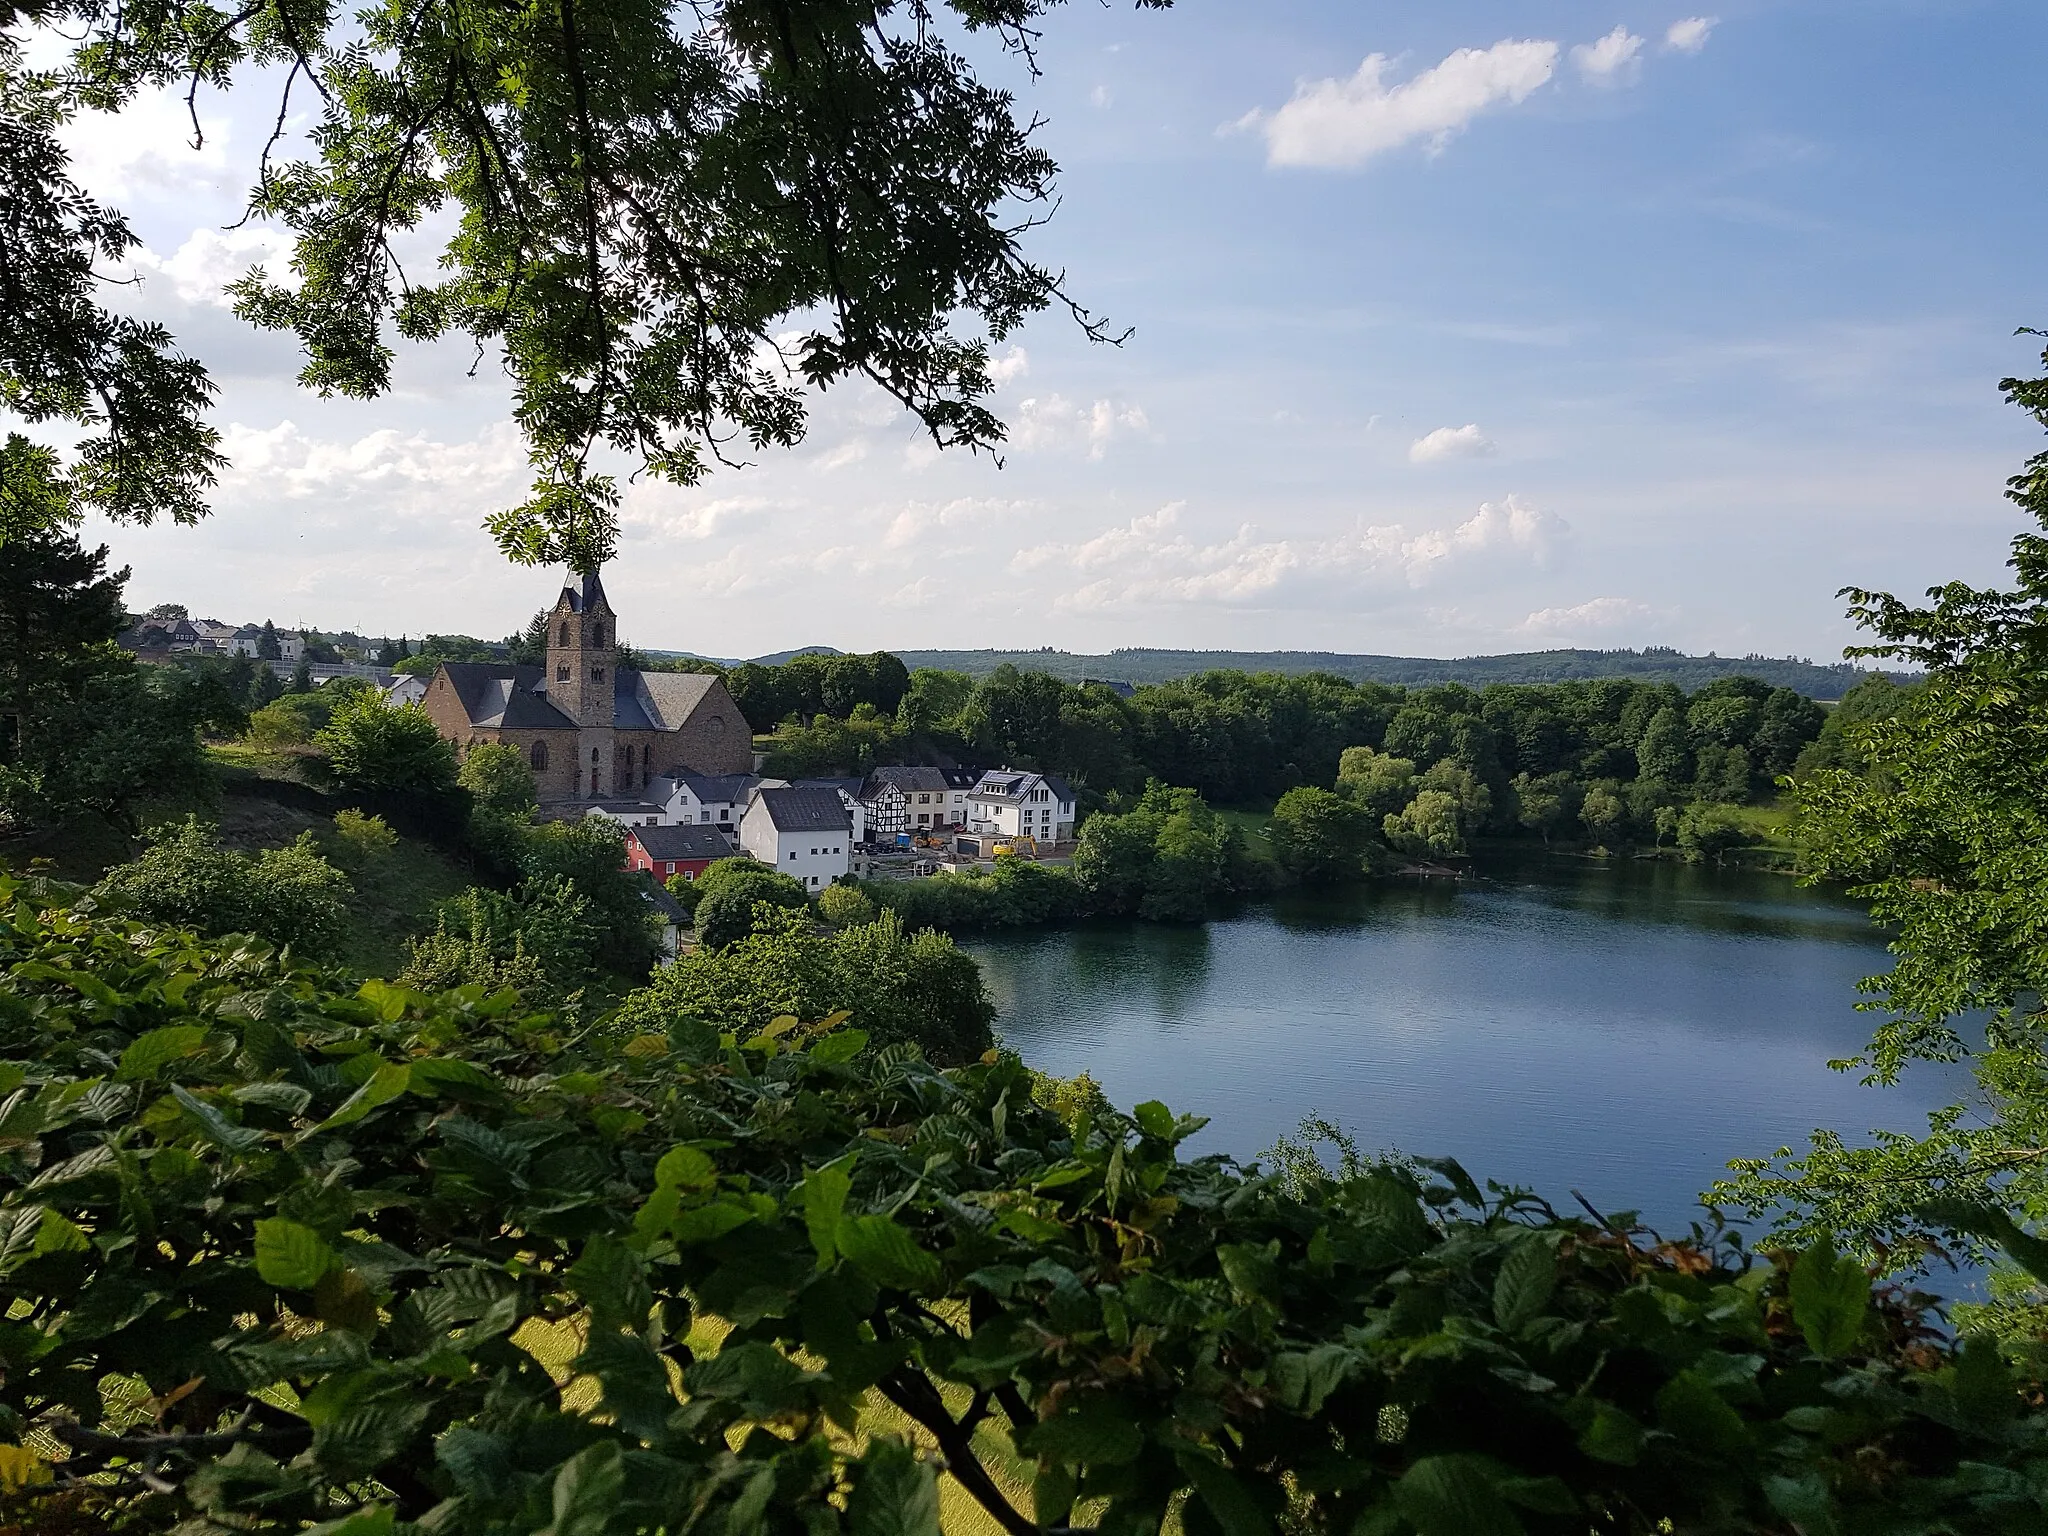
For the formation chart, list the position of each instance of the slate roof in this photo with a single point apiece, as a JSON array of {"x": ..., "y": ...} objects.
[
  {"x": 718, "y": 788},
  {"x": 688, "y": 841},
  {"x": 504, "y": 698},
  {"x": 805, "y": 810},
  {"x": 585, "y": 593},
  {"x": 1009, "y": 786},
  {"x": 516, "y": 698},
  {"x": 837, "y": 786},
  {"x": 905, "y": 778}
]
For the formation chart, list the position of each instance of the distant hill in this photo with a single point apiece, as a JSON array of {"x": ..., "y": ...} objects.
[{"x": 1655, "y": 664}]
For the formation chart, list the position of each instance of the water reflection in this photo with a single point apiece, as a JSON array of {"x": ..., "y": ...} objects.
[{"x": 1622, "y": 1028}]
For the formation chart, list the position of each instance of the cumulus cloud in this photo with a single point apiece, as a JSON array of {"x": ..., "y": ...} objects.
[
  {"x": 1152, "y": 560},
  {"x": 1592, "y": 616},
  {"x": 1012, "y": 365},
  {"x": 1611, "y": 60},
  {"x": 200, "y": 270},
  {"x": 1053, "y": 421},
  {"x": 282, "y": 461},
  {"x": 1689, "y": 35},
  {"x": 1466, "y": 442},
  {"x": 146, "y": 148},
  {"x": 1342, "y": 123}
]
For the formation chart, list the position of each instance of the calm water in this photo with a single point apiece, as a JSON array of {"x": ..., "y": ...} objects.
[{"x": 1620, "y": 1029}]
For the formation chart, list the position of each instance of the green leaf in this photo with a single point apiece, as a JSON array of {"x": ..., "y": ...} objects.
[
  {"x": 1454, "y": 1496},
  {"x": 374, "y": 1520},
  {"x": 342, "y": 1298},
  {"x": 1305, "y": 1378},
  {"x": 843, "y": 1046},
  {"x": 824, "y": 1202},
  {"x": 58, "y": 1233},
  {"x": 1522, "y": 1289},
  {"x": 896, "y": 1494},
  {"x": 1098, "y": 1433},
  {"x": 290, "y": 1256},
  {"x": 1154, "y": 1119},
  {"x": 1613, "y": 1436},
  {"x": 611, "y": 1279},
  {"x": 633, "y": 1379},
  {"x": 886, "y": 1253},
  {"x": 1227, "y": 1499},
  {"x": 587, "y": 1491},
  {"x": 151, "y": 1053},
  {"x": 1830, "y": 1295},
  {"x": 685, "y": 1168},
  {"x": 1697, "y": 1414},
  {"x": 215, "y": 1126},
  {"x": 384, "y": 1085},
  {"x": 2022, "y": 1247},
  {"x": 1252, "y": 1272}
]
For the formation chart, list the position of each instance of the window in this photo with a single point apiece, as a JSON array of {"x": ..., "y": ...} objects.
[
  {"x": 814, "y": 879},
  {"x": 565, "y": 633},
  {"x": 597, "y": 674},
  {"x": 593, "y": 756},
  {"x": 671, "y": 869},
  {"x": 538, "y": 756},
  {"x": 597, "y": 634},
  {"x": 706, "y": 816},
  {"x": 792, "y": 855},
  {"x": 561, "y": 674},
  {"x": 715, "y": 726}
]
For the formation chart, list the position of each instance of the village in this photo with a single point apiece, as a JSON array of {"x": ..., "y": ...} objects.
[{"x": 668, "y": 756}]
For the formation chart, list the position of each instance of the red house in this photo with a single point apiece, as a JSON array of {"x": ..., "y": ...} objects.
[{"x": 683, "y": 850}]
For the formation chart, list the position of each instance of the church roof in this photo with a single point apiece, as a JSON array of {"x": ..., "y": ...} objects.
[
  {"x": 584, "y": 593},
  {"x": 499, "y": 697}
]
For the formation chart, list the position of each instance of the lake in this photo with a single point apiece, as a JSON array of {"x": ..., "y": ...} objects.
[{"x": 1622, "y": 1028}]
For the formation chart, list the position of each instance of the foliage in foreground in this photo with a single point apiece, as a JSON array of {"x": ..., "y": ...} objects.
[
  {"x": 1931, "y": 806},
  {"x": 274, "y": 1254}
]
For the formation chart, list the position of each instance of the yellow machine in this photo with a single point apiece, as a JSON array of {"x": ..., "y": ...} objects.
[{"x": 1023, "y": 847}]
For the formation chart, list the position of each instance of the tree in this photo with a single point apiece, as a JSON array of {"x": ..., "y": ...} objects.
[
  {"x": 589, "y": 854},
  {"x": 1320, "y": 837},
  {"x": 268, "y": 646},
  {"x": 1663, "y": 755},
  {"x": 1380, "y": 784},
  {"x": 302, "y": 677},
  {"x": 635, "y": 204},
  {"x": 1605, "y": 816},
  {"x": 382, "y": 748},
  {"x": 1429, "y": 827},
  {"x": 1935, "y": 813},
  {"x": 760, "y": 882},
  {"x": 528, "y": 648},
  {"x": 291, "y": 720},
  {"x": 1546, "y": 805},
  {"x": 1168, "y": 858},
  {"x": 845, "y": 906},
  {"x": 267, "y": 689},
  {"x": 541, "y": 939},
  {"x": 170, "y": 611},
  {"x": 498, "y": 779},
  {"x": 1712, "y": 831},
  {"x": 288, "y": 895}
]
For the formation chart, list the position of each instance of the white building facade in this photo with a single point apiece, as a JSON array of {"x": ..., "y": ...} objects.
[
  {"x": 804, "y": 833},
  {"x": 1016, "y": 804}
]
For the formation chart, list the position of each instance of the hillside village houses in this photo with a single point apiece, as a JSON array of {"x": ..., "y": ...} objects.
[{"x": 669, "y": 757}]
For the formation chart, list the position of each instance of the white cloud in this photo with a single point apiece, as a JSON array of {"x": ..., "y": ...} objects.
[
  {"x": 1053, "y": 421},
  {"x": 282, "y": 461},
  {"x": 1593, "y": 615},
  {"x": 146, "y": 148},
  {"x": 1012, "y": 365},
  {"x": 1690, "y": 35},
  {"x": 1152, "y": 561},
  {"x": 1101, "y": 96},
  {"x": 1340, "y": 124},
  {"x": 200, "y": 270},
  {"x": 1466, "y": 442},
  {"x": 1611, "y": 60}
]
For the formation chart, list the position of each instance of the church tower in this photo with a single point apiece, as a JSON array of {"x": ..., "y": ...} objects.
[{"x": 581, "y": 676}]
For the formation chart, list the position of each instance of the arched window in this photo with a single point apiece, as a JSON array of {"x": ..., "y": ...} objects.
[
  {"x": 597, "y": 674},
  {"x": 715, "y": 726},
  {"x": 561, "y": 674},
  {"x": 593, "y": 756},
  {"x": 597, "y": 634},
  {"x": 565, "y": 632},
  {"x": 538, "y": 756}
]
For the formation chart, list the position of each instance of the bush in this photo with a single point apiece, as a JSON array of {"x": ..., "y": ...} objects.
[
  {"x": 727, "y": 916},
  {"x": 761, "y": 882},
  {"x": 362, "y": 839},
  {"x": 900, "y": 988},
  {"x": 844, "y": 905},
  {"x": 1320, "y": 838},
  {"x": 1712, "y": 831},
  {"x": 590, "y": 854},
  {"x": 287, "y": 895},
  {"x": 375, "y": 748},
  {"x": 498, "y": 779},
  {"x": 684, "y": 892},
  {"x": 481, "y": 942},
  {"x": 290, "y": 721},
  {"x": 268, "y": 1271}
]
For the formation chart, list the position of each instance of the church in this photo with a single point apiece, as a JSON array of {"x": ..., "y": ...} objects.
[{"x": 590, "y": 730}]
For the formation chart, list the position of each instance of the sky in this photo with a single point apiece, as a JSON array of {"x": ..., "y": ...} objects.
[{"x": 1457, "y": 328}]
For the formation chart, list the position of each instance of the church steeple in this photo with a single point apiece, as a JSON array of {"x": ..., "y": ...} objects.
[{"x": 582, "y": 640}]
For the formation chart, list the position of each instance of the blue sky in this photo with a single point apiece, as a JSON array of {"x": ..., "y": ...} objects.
[{"x": 1459, "y": 328}]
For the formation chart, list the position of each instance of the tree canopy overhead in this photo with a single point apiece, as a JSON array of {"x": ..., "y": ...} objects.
[{"x": 668, "y": 220}]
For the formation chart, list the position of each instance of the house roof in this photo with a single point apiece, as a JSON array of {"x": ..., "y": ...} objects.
[
  {"x": 1009, "y": 785},
  {"x": 688, "y": 841},
  {"x": 805, "y": 810},
  {"x": 905, "y": 778},
  {"x": 665, "y": 906},
  {"x": 718, "y": 788},
  {"x": 516, "y": 698},
  {"x": 848, "y": 787}
]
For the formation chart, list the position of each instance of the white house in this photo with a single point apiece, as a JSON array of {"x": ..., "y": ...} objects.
[
  {"x": 806, "y": 833},
  {"x": 1015, "y": 804},
  {"x": 246, "y": 641},
  {"x": 924, "y": 794},
  {"x": 706, "y": 799},
  {"x": 848, "y": 791}
]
